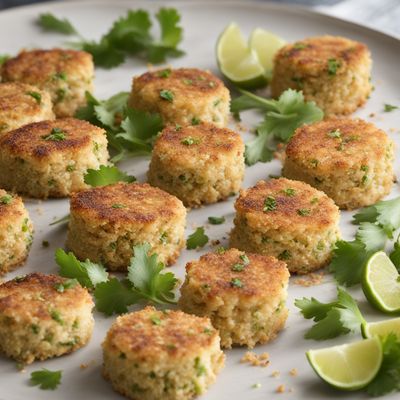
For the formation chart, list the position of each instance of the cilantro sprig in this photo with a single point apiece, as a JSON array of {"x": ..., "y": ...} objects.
[
  {"x": 46, "y": 379},
  {"x": 331, "y": 319},
  {"x": 197, "y": 239},
  {"x": 146, "y": 280},
  {"x": 106, "y": 175},
  {"x": 130, "y": 35},
  {"x": 130, "y": 132},
  {"x": 377, "y": 224},
  {"x": 281, "y": 118}
]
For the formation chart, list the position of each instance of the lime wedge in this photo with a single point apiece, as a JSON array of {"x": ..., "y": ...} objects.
[
  {"x": 381, "y": 328},
  {"x": 349, "y": 366},
  {"x": 265, "y": 44},
  {"x": 381, "y": 283},
  {"x": 237, "y": 62}
]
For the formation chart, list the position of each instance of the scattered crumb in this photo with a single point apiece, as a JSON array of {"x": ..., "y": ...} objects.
[
  {"x": 294, "y": 372},
  {"x": 215, "y": 242},
  {"x": 280, "y": 389},
  {"x": 311, "y": 279},
  {"x": 280, "y": 154},
  {"x": 45, "y": 243},
  {"x": 372, "y": 115},
  {"x": 256, "y": 360},
  {"x": 240, "y": 127},
  {"x": 88, "y": 364},
  {"x": 275, "y": 374}
]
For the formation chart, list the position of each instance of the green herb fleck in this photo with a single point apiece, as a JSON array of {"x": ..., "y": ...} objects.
[
  {"x": 68, "y": 284},
  {"x": 245, "y": 259},
  {"x": 167, "y": 95},
  {"x": 389, "y": 108},
  {"x": 118, "y": 206},
  {"x": 60, "y": 76},
  {"x": 199, "y": 367},
  {"x": 364, "y": 168},
  {"x": 236, "y": 282},
  {"x": 303, "y": 211},
  {"x": 196, "y": 121},
  {"x": 36, "y": 95},
  {"x": 238, "y": 267},
  {"x": 35, "y": 329},
  {"x": 189, "y": 140},
  {"x": 164, "y": 238},
  {"x": 289, "y": 192},
  {"x": 57, "y": 316},
  {"x": 270, "y": 204},
  {"x": 6, "y": 199},
  {"x": 155, "y": 320},
  {"x": 333, "y": 66},
  {"x": 187, "y": 81},
  {"x": 335, "y": 134},
  {"x": 285, "y": 255},
  {"x": 56, "y": 135},
  {"x": 165, "y": 73},
  {"x": 300, "y": 46},
  {"x": 216, "y": 220}
]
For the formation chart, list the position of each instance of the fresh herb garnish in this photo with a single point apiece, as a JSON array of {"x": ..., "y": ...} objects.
[
  {"x": 216, "y": 220},
  {"x": 281, "y": 118},
  {"x": 56, "y": 135},
  {"x": 49, "y": 22},
  {"x": 197, "y": 239},
  {"x": 106, "y": 175},
  {"x": 270, "y": 204},
  {"x": 331, "y": 319},
  {"x": 36, "y": 95},
  {"x": 46, "y": 379},
  {"x": 389, "y": 108}
]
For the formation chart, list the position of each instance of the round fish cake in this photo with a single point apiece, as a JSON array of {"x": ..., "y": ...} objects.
[
  {"x": 199, "y": 164},
  {"x": 243, "y": 294},
  {"x": 289, "y": 220},
  {"x": 65, "y": 74},
  {"x": 169, "y": 355},
  {"x": 50, "y": 158},
  {"x": 184, "y": 96},
  {"x": 16, "y": 232},
  {"x": 21, "y": 104},
  {"x": 43, "y": 316},
  {"x": 106, "y": 222},
  {"x": 332, "y": 71},
  {"x": 350, "y": 160}
]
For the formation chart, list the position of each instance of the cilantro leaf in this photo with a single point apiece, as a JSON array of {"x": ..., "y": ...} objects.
[
  {"x": 171, "y": 33},
  {"x": 114, "y": 296},
  {"x": 332, "y": 319},
  {"x": 282, "y": 117},
  {"x": 87, "y": 273},
  {"x": 46, "y": 379},
  {"x": 106, "y": 175},
  {"x": 197, "y": 239},
  {"x": 348, "y": 262},
  {"x": 395, "y": 254},
  {"x": 366, "y": 214},
  {"x": 372, "y": 235},
  {"x": 111, "y": 111},
  {"x": 104, "y": 54},
  {"x": 144, "y": 272},
  {"x": 49, "y": 22},
  {"x": 388, "y": 378}
]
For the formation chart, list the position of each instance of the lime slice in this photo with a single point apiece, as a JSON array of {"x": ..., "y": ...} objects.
[
  {"x": 349, "y": 366},
  {"x": 381, "y": 283},
  {"x": 381, "y": 328},
  {"x": 265, "y": 44},
  {"x": 237, "y": 62}
]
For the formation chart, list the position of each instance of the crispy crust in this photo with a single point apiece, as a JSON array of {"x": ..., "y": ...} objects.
[
  {"x": 35, "y": 295},
  {"x": 36, "y": 66},
  {"x": 141, "y": 203},
  {"x": 322, "y": 212},
  {"x": 29, "y": 140},
  {"x": 176, "y": 336},
  {"x": 263, "y": 274}
]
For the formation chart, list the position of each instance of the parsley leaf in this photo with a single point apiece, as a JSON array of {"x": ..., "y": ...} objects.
[
  {"x": 144, "y": 272},
  {"x": 388, "y": 378},
  {"x": 389, "y": 108},
  {"x": 197, "y": 239},
  {"x": 282, "y": 117},
  {"x": 106, "y": 175},
  {"x": 87, "y": 273},
  {"x": 49, "y": 22},
  {"x": 332, "y": 319},
  {"x": 46, "y": 379},
  {"x": 348, "y": 262},
  {"x": 114, "y": 296}
]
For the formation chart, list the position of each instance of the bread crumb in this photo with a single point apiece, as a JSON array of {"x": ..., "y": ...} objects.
[
  {"x": 275, "y": 374},
  {"x": 215, "y": 242},
  {"x": 86, "y": 365},
  {"x": 311, "y": 279},
  {"x": 280, "y": 389},
  {"x": 372, "y": 115},
  {"x": 294, "y": 372},
  {"x": 256, "y": 360}
]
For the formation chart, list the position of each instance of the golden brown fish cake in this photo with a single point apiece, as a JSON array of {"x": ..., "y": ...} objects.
[
  {"x": 43, "y": 316},
  {"x": 152, "y": 354},
  {"x": 331, "y": 70},
  {"x": 106, "y": 222},
  {"x": 287, "y": 219},
  {"x": 351, "y": 160},
  {"x": 65, "y": 74},
  {"x": 243, "y": 294},
  {"x": 21, "y": 104},
  {"x": 182, "y": 96},
  {"x": 199, "y": 164},
  {"x": 16, "y": 232}
]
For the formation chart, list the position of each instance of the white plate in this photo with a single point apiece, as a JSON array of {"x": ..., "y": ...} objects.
[{"x": 202, "y": 23}]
